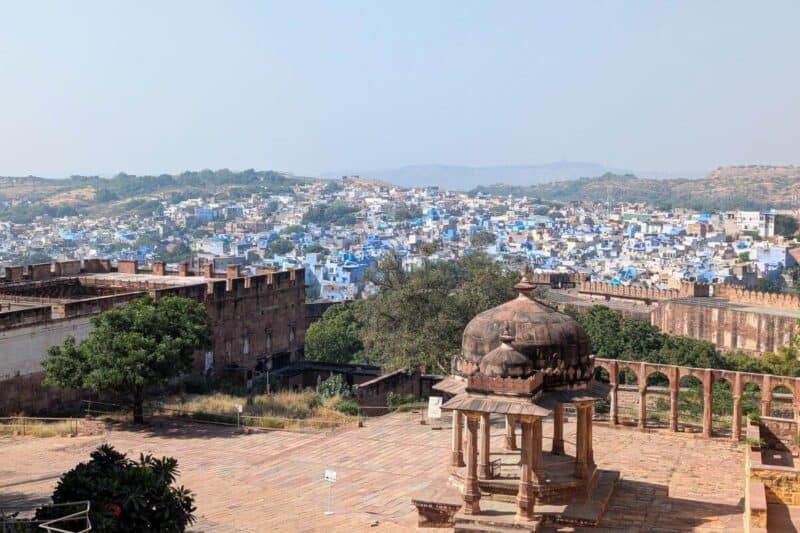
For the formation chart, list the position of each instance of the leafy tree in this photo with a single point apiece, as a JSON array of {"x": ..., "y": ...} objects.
[
  {"x": 141, "y": 345},
  {"x": 603, "y": 326},
  {"x": 767, "y": 285},
  {"x": 418, "y": 318},
  {"x": 481, "y": 239},
  {"x": 405, "y": 212},
  {"x": 786, "y": 226},
  {"x": 316, "y": 248},
  {"x": 743, "y": 257},
  {"x": 786, "y": 362},
  {"x": 336, "y": 213},
  {"x": 429, "y": 248},
  {"x": 280, "y": 246},
  {"x": 292, "y": 229},
  {"x": 335, "y": 338},
  {"x": 127, "y": 495}
]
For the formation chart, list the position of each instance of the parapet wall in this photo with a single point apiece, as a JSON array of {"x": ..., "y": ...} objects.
[
  {"x": 557, "y": 280},
  {"x": 688, "y": 289},
  {"x": 763, "y": 299}
]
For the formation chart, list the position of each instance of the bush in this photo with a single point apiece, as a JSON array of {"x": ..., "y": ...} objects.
[
  {"x": 335, "y": 385},
  {"x": 348, "y": 407},
  {"x": 127, "y": 495},
  {"x": 395, "y": 400}
]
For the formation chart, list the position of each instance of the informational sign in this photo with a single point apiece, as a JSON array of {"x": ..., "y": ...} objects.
[
  {"x": 238, "y": 408},
  {"x": 330, "y": 475},
  {"x": 434, "y": 407}
]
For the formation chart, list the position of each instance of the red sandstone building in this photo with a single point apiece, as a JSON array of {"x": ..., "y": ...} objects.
[{"x": 258, "y": 321}]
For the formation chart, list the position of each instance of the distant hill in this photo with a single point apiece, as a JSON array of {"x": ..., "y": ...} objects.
[
  {"x": 464, "y": 178},
  {"x": 736, "y": 187},
  {"x": 29, "y": 197}
]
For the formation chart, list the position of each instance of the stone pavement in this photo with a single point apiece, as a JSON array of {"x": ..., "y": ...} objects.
[{"x": 272, "y": 481}]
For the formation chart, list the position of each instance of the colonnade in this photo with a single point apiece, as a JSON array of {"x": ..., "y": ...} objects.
[{"x": 476, "y": 454}]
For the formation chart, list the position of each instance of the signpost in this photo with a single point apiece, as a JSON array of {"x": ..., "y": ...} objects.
[
  {"x": 435, "y": 412},
  {"x": 238, "y": 414},
  {"x": 330, "y": 477}
]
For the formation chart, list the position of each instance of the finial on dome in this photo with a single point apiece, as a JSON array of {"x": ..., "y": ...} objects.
[
  {"x": 525, "y": 285},
  {"x": 506, "y": 336}
]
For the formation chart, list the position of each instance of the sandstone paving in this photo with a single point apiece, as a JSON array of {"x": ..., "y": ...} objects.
[{"x": 273, "y": 481}]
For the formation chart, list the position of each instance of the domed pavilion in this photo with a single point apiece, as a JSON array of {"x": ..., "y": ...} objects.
[{"x": 522, "y": 362}]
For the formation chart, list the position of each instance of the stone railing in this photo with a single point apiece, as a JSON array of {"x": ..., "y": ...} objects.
[{"x": 479, "y": 382}]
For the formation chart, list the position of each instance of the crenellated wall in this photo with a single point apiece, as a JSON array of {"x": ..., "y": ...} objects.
[
  {"x": 688, "y": 289},
  {"x": 762, "y": 299}
]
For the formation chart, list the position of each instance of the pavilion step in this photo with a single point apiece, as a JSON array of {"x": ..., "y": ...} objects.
[{"x": 483, "y": 528}]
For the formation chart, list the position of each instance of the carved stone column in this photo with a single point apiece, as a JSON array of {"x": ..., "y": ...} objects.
[
  {"x": 580, "y": 441},
  {"x": 458, "y": 439},
  {"x": 642, "y": 406},
  {"x": 537, "y": 462},
  {"x": 511, "y": 434},
  {"x": 558, "y": 430},
  {"x": 485, "y": 470},
  {"x": 766, "y": 396},
  {"x": 525, "y": 492},
  {"x": 472, "y": 493}
]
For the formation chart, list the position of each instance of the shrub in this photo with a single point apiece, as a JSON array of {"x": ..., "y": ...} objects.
[
  {"x": 395, "y": 400},
  {"x": 127, "y": 495},
  {"x": 348, "y": 407},
  {"x": 335, "y": 385}
]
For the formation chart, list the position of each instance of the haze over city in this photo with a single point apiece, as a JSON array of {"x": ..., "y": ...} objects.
[{"x": 320, "y": 88}]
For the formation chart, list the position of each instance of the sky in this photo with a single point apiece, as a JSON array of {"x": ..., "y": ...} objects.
[{"x": 309, "y": 87}]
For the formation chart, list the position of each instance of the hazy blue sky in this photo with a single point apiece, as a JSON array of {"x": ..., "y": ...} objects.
[{"x": 101, "y": 87}]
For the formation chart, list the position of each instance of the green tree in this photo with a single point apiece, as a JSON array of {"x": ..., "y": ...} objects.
[
  {"x": 603, "y": 327},
  {"x": 418, "y": 318},
  {"x": 142, "y": 344},
  {"x": 127, "y": 495},
  {"x": 335, "y": 338},
  {"x": 482, "y": 239},
  {"x": 292, "y": 229},
  {"x": 316, "y": 248},
  {"x": 767, "y": 285},
  {"x": 280, "y": 246},
  {"x": 785, "y": 226}
]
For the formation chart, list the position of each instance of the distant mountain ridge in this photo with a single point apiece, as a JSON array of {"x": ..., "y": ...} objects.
[
  {"x": 456, "y": 177},
  {"x": 734, "y": 187}
]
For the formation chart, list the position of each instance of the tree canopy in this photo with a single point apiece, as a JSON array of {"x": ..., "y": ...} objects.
[
  {"x": 336, "y": 337},
  {"x": 481, "y": 239},
  {"x": 140, "y": 345},
  {"x": 418, "y": 318}
]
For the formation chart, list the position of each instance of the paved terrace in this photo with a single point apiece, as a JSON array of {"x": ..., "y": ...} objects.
[{"x": 272, "y": 481}]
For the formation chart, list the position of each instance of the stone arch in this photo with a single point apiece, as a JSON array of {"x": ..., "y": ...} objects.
[
  {"x": 628, "y": 395},
  {"x": 602, "y": 374},
  {"x": 658, "y": 385},
  {"x": 722, "y": 411},
  {"x": 782, "y": 401},
  {"x": 690, "y": 401},
  {"x": 628, "y": 375},
  {"x": 751, "y": 396}
]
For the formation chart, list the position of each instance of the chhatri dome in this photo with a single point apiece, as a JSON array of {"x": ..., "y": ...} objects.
[{"x": 554, "y": 343}]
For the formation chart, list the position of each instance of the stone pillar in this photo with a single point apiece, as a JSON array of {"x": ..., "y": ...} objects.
[
  {"x": 511, "y": 435},
  {"x": 673, "y": 407},
  {"x": 580, "y": 441},
  {"x": 558, "y": 430},
  {"x": 537, "y": 463},
  {"x": 525, "y": 492},
  {"x": 485, "y": 470},
  {"x": 642, "y": 406},
  {"x": 796, "y": 400},
  {"x": 736, "y": 429},
  {"x": 472, "y": 493},
  {"x": 708, "y": 402},
  {"x": 589, "y": 446},
  {"x": 766, "y": 396},
  {"x": 614, "y": 404},
  {"x": 458, "y": 439}
]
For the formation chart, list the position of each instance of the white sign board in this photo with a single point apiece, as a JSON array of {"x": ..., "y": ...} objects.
[
  {"x": 239, "y": 408},
  {"x": 330, "y": 475},
  {"x": 434, "y": 407}
]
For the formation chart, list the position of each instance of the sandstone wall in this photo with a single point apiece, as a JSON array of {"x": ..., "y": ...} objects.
[
  {"x": 729, "y": 329},
  {"x": 22, "y": 348}
]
